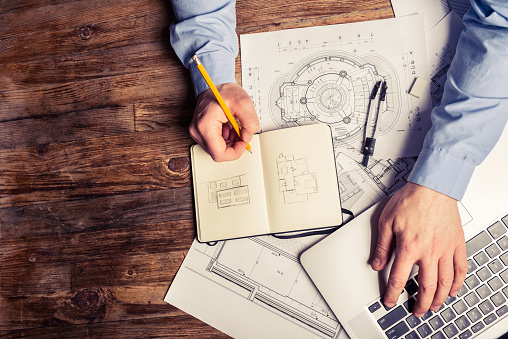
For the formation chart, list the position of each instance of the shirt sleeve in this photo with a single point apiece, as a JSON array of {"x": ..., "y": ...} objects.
[
  {"x": 474, "y": 109},
  {"x": 206, "y": 28}
]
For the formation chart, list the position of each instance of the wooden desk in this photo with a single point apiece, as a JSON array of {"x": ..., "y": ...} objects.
[{"x": 96, "y": 209}]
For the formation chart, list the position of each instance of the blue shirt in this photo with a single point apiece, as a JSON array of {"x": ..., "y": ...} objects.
[{"x": 465, "y": 125}]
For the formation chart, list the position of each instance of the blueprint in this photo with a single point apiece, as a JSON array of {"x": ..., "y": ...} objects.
[
  {"x": 326, "y": 74},
  {"x": 253, "y": 288},
  {"x": 256, "y": 287}
]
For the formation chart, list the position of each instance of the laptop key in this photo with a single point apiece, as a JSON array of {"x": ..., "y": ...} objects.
[
  {"x": 448, "y": 314},
  {"x": 427, "y": 315},
  {"x": 504, "y": 276},
  {"x": 498, "y": 299},
  {"x": 374, "y": 307},
  {"x": 438, "y": 335},
  {"x": 412, "y": 335},
  {"x": 490, "y": 319},
  {"x": 460, "y": 306},
  {"x": 483, "y": 291},
  {"x": 496, "y": 230},
  {"x": 503, "y": 243},
  {"x": 478, "y": 242},
  {"x": 411, "y": 287},
  {"x": 484, "y": 274},
  {"x": 413, "y": 321},
  {"x": 397, "y": 331},
  {"x": 449, "y": 300},
  {"x": 471, "y": 299},
  {"x": 471, "y": 266},
  {"x": 409, "y": 304},
  {"x": 436, "y": 322},
  {"x": 502, "y": 311},
  {"x": 504, "y": 258},
  {"x": 393, "y": 317},
  {"x": 472, "y": 281},
  {"x": 495, "y": 284},
  {"x": 481, "y": 258},
  {"x": 493, "y": 251},
  {"x": 474, "y": 315},
  {"x": 451, "y": 330},
  {"x": 477, "y": 327},
  {"x": 495, "y": 266},
  {"x": 486, "y": 307},
  {"x": 465, "y": 335},
  {"x": 424, "y": 330},
  {"x": 463, "y": 290},
  {"x": 462, "y": 323}
]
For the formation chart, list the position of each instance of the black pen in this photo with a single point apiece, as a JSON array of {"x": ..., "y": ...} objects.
[{"x": 370, "y": 142}]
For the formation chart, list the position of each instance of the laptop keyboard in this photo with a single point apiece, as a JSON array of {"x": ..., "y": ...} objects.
[{"x": 480, "y": 303}]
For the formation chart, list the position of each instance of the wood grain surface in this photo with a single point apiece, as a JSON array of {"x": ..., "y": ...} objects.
[{"x": 96, "y": 210}]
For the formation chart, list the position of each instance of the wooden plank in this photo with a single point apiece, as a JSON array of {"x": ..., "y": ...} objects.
[
  {"x": 164, "y": 327},
  {"x": 64, "y": 127},
  {"x": 125, "y": 210},
  {"x": 102, "y": 92},
  {"x": 86, "y": 305},
  {"x": 104, "y": 166}
]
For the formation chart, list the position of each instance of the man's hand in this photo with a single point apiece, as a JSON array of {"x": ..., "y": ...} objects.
[
  {"x": 210, "y": 126},
  {"x": 424, "y": 227}
]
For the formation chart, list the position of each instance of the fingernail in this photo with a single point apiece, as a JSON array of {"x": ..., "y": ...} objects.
[
  {"x": 434, "y": 308},
  {"x": 376, "y": 262},
  {"x": 454, "y": 294}
]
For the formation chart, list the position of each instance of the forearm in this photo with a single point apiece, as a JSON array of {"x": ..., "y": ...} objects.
[
  {"x": 206, "y": 28},
  {"x": 474, "y": 108}
]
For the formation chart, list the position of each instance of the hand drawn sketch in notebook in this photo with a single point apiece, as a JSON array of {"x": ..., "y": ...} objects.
[{"x": 433, "y": 10}]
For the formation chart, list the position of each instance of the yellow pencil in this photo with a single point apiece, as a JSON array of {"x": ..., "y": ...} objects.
[{"x": 215, "y": 92}]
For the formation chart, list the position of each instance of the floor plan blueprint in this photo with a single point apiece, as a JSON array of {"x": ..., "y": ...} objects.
[
  {"x": 326, "y": 74},
  {"x": 261, "y": 282}
]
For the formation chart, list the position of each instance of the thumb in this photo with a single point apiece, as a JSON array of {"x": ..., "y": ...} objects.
[{"x": 383, "y": 247}]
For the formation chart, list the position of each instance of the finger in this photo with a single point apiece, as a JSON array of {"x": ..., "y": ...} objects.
[
  {"x": 427, "y": 281},
  {"x": 383, "y": 251},
  {"x": 460, "y": 268},
  {"x": 444, "y": 282},
  {"x": 248, "y": 119},
  {"x": 399, "y": 273}
]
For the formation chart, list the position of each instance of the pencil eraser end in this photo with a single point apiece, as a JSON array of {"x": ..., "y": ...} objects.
[{"x": 418, "y": 87}]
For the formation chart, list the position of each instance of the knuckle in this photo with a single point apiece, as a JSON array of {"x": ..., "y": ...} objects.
[
  {"x": 446, "y": 281},
  {"x": 428, "y": 288},
  {"x": 396, "y": 283}
]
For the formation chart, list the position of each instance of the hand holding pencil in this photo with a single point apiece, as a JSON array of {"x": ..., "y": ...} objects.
[{"x": 214, "y": 124}]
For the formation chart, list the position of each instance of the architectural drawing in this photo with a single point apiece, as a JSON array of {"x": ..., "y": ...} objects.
[
  {"x": 265, "y": 272},
  {"x": 326, "y": 74},
  {"x": 295, "y": 181},
  {"x": 334, "y": 88},
  {"x": 228, "y": 192}
]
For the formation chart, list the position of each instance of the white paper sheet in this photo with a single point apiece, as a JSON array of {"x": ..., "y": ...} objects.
[{"x": 432, "y": 10}]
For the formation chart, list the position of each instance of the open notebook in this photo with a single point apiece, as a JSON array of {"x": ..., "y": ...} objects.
[
  {"x": 288, "y": 183},
  {"x": 339, "y": 267}
]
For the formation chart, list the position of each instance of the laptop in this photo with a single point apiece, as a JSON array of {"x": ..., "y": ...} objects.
[{"x": 339, "y": 267}]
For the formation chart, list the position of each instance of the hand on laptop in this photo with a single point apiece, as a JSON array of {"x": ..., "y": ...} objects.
[
  {"x": 211, "y": 129},
  {"x": 423, "y": 227}
]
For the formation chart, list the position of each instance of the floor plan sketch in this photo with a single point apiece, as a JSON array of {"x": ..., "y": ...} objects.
[
  {"x": 295, "y": 181},
  {"x": 228, "y": 192},
  {"x": 265, "y": 274},
  {"x": 326, "y": 74}
]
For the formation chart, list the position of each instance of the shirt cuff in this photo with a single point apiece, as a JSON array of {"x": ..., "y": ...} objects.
[
  {"x": 219, "y": 66},
  {"x": 442, "y": 172}
]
